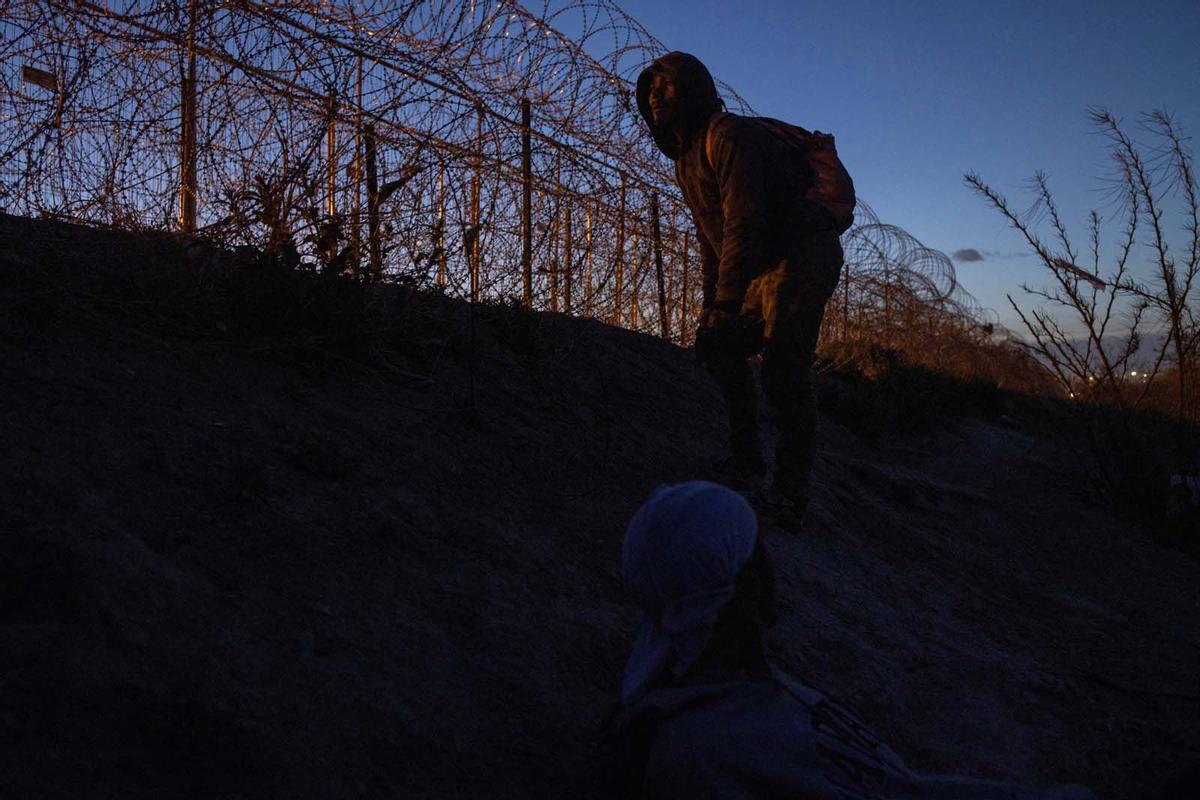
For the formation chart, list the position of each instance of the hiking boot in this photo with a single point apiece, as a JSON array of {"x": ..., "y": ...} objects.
[
  {"x": 785, "y": 503},
  {"x": 777, "y": 511}
]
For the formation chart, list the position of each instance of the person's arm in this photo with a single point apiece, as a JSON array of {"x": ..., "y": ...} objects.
[
  {"x": 709, "y": 266},
  {"x": 709, "y": 263},
  {"x": 737, "y": 155}
]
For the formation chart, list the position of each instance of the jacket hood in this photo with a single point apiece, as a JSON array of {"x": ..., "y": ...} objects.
[{"x": 696, "y": 95}]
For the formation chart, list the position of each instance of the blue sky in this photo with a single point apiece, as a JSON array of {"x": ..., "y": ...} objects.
[{"x": 919, "y": 93}]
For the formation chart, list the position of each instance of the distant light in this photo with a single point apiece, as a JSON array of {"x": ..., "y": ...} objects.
[{"x": 1134, "y": 373}]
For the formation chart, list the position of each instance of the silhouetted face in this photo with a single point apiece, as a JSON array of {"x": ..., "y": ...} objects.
[
  {"x": 676, "y": 97},
  {"x": 663, "y": 101}
]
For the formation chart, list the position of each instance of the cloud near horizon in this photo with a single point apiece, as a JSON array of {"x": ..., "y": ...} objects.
[{"x": 967, "y": 254}]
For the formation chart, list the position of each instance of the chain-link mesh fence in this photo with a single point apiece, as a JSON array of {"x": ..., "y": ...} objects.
[{"x": 389, "y": 140}]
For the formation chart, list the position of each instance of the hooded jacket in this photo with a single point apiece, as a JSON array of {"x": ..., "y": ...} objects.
[{"x": 748, "y": 203}]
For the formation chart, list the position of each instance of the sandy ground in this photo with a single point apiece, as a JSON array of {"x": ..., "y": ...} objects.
[{"x": 235, "y": 571}]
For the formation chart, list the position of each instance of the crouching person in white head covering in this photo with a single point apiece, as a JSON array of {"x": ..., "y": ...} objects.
[{"x": 707, "y": 716}]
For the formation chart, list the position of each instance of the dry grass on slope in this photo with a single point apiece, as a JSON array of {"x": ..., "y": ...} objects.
[{"x": 277, "y": 534}]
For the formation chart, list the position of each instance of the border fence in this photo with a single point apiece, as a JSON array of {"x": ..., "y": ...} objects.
[{"x": 482, "y": 147}]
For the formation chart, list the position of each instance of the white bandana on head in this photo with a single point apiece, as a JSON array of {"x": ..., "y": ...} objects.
[{"x": 682, "y": 554}]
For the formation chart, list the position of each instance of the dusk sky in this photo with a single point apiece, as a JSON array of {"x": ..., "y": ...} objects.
[{"x": 919, "y": 93}]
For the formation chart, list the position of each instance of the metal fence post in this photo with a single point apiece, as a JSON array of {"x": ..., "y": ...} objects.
[
  {"x": 356, "y": 174},
  {"x": 552, "y": 241},
  {"x": 588, "y": 291},
  {"x": 373, "y": 245},
  {"x": 618, "y": 267},
  {"x": 567, "y": 258},
  {"x": 658, "y": 267},
  {"x": 187, "y": 134},
  {"x": 331, "y": 157},
  {"x": 439, "y": 233},
  {"x": 476, "y": 187},
  {"x": 635, "y": 283},
  {"x": 526, "y": 204}
]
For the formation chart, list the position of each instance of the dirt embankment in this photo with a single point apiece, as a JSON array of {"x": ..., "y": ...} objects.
[{"x": 369, "y": 547}]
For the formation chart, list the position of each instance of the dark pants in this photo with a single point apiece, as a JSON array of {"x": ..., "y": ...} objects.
[{"x": 788, "y": 302}]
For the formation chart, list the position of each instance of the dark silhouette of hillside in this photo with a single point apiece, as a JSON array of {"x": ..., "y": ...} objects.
[{"x": 268, "y": 533}]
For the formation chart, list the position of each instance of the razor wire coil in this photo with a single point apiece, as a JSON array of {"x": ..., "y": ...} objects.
[{"x": 290, "y": 96}]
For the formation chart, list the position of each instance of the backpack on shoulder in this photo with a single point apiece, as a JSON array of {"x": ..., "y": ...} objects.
[{"x": 832, "y": 188}]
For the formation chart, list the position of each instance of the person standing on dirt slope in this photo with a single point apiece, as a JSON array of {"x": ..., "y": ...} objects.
[
  {"x": 769, "y": 201},
  {"x": 705, "y": 714}
]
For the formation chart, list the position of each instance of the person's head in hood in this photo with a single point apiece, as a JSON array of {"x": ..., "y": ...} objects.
[
  {"x": 693, "y": 562},
  {"x": 676, "y": 96}
]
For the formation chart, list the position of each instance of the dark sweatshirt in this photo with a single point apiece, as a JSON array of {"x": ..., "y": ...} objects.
[
  {"x": 746, "y": 738},
  {"x": 748, "y": 203}
]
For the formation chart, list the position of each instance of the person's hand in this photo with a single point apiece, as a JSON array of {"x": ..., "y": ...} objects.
[{"x": 723, "y": 334}]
